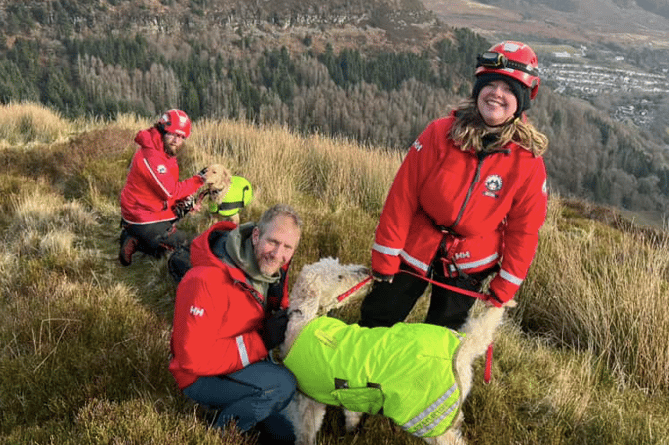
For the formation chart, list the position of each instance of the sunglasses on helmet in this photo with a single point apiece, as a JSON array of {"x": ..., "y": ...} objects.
[{"x": 494, "y": 60}]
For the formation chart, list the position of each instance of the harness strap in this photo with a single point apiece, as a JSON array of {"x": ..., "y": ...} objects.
[
  {"x": 230, "y": 205},
  {"x": 469, "y": 293},
  {"x": 451, "y": 250},
  {"x": 487, "y": 376},
  {"x": 448, "y": 255}
]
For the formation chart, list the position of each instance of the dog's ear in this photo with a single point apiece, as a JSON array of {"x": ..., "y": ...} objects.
[
  {"x": 304, "y": 291},
  {"x": 510, "y": 303}
]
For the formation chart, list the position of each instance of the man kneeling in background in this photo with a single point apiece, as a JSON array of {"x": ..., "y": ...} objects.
[{"x": 153, "y": 199}]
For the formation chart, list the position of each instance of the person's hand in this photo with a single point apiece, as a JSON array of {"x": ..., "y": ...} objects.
[
  {"x": 216, "y": 177},
  {"x": 384, "y": 278},
  {"x": 274, "y": 331},
  {"x": 493, "y": 300},
  {"x": 181, "y": 208}
]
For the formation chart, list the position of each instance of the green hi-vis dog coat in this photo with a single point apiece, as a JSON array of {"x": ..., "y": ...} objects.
[{"x": 405, "y": 370}]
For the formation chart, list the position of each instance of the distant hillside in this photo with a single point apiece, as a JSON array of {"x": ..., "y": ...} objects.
[
  {"x": 206, "y": 20},
  {"x": 373, "y": 71},
  {"x": 625, "y": 22}
]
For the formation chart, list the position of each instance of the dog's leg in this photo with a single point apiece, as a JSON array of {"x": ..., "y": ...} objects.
[
  {"x": 451, "y": 437},
  {"x": 352, "y": 419},
  {"x": 307, "y": 416}
]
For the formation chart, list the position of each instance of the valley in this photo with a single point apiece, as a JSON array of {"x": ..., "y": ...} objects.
[
  {"x": 581, "y": 21},
  {"x": 616, "y": 58}
]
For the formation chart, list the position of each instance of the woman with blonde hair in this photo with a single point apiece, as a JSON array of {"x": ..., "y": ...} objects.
[{"x": 467, "y": 201}]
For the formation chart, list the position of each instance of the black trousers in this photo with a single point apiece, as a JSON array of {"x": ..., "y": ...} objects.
[
  {"x": 157, "y": 238},
  {"x": 390, "y": 303}
]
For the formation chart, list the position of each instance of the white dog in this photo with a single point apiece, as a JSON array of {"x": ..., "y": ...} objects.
[{"x": 416, "y": 374}]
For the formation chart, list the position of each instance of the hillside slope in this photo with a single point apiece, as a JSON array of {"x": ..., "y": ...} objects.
[
  {"x": 217, "y": 23},
  {"x": 624, "y": 22},
  {"x": 84, "y": 341},
  {"x": 376, "y": 72}
]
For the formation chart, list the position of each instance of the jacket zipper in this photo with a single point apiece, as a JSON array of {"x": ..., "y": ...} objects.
[
  {"x": 468, "y": 196},
  {"x": 480, "y": 158}
]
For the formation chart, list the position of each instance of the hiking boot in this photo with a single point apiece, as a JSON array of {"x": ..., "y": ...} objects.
[{"x": 128, "y": 247}]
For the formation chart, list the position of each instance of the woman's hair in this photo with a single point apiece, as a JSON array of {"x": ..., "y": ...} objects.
[{"x": 469, "y": 128}]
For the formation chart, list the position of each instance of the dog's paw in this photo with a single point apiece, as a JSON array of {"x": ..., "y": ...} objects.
[{"x": 352, "y": 420}]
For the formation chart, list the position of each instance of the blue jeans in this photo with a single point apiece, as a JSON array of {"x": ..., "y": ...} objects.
[{"x": 254, "y": 396}]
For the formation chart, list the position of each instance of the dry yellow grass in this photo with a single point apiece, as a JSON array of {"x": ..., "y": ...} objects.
[
  {"x": 604, "y": 291},
  {"x": 28, "y": 123},
  {"x": 285, "y": 166},
  {"x": 85, "y": 341}
]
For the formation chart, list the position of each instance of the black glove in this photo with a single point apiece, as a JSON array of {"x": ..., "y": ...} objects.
[
  {"x": 184, "y": 206},
  {"x": 493, "y": 299},
  {"x": 380, "y": 277},
  {"x": 274, "y": 331}
]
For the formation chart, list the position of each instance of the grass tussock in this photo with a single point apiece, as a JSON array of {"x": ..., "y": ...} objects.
[
  {"x": 605, "y": 292},
  {"x": 286, "y": 167},
  {"x": 30, "y": 123},
  {"x": 84, "y": 342}
]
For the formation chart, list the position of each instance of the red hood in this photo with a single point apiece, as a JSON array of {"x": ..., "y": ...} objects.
[
  {"x": 200, "y": 250},
  {"x": 201, "y": 255},
  {"x": 150, "y": 138}
]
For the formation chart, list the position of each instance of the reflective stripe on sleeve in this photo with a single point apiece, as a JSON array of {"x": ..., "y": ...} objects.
[
  {"x": 156, "y": 179},
  {"x": 414, "y": 262},
  {"x": 408, "y": 258},
  {"x": 243, "y": 354},
  {"x": 386, "y": 250},
  {"x": 510, "y": 278}
]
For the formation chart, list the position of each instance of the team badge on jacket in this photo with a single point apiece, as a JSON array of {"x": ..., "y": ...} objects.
[
  {"x": 493, "y": 185},
  {"x": 162, "y": 169}
]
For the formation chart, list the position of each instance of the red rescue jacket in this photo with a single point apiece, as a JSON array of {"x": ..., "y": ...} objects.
[
  {"x": 153, "y": 187},
  {"x": 218, "y": 315},
  {"x": 495, "y": 204}
]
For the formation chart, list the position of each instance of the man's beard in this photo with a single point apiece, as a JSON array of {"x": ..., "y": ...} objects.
[
  {"x": 169, "y": 150},
  {"x": 268, "y": 267}
]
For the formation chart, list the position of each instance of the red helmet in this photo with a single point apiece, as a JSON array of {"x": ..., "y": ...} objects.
[
  {"x": 175, "y": 121},
  {"x": 513, "y": 59}
]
